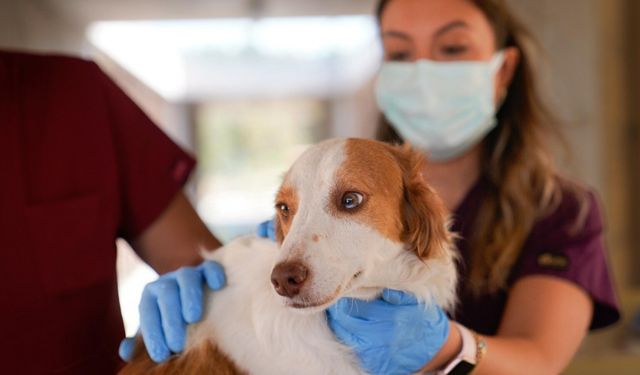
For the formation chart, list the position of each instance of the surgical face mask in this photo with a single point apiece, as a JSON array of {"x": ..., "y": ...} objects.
[{"x": 443, "y": 108}]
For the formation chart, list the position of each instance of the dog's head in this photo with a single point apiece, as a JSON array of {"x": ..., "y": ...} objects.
[{"x": 355, "y": 216}]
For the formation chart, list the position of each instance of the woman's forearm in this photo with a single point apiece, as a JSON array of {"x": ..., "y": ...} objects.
[
  {"x": 514, "y": 355},
  {"x": 544, "y": 323},
  {"x": 505, "y": 355}
]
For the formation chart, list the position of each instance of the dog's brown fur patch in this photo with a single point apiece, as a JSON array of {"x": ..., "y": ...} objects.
[
  {"x": 202, "y": 359},
  {"x": 424, "y": 213},
  {"x": 402, "y": 207},
  {"x": 288, "y": 196},
  {"x": 369, "y": 168}
]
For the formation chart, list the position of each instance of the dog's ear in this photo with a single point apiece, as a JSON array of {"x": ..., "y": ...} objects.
[{"x": 424, "y": 215}]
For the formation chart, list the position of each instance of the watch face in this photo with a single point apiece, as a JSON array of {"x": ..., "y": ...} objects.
[{"x": 462, "y": 368}]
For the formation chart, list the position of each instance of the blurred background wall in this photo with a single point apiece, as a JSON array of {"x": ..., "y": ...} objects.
[{"x": 246, "y": 84}]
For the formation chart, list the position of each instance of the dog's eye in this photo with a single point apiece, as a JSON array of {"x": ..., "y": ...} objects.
[
  {"x": 351, "y": 200},
  {"x": 283, "y": 209}
]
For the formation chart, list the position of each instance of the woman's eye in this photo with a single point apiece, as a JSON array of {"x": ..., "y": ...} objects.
[
  {"x": 283, "y": 209},
  {"x": 351, "y": 200},
  {"x": 453, "y": 50},
  {"x": 397, "y": 56}
]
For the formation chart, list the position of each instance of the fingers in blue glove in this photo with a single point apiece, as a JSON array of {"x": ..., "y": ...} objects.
[
  {"x": 350, "y": 317},
  {"x": 125, "y": 351},
  {"x": 398, "y": 297},
  {"x": 190, "y": 284},
  {"x": 267, "y": 229},
  {"x": 213, "y": 274},
  {"x": 169, "y": 303},
  {"x": 381, "y": 308},
  {"x": 191, "y": 294},
  {"x": 343, "y": 334},
  {"x": 261, "y": 230},
  {"x": 151, "y": 327},
  {"x": 173, "y": 323},
  {"x": 392, "y": 334}
]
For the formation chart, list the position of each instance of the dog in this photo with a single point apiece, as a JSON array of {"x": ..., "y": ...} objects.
[{"x": 353, "y": 216}]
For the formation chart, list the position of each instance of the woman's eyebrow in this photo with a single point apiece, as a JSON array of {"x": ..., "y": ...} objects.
[
  {"x": 396, "y": 34},
  {"x": 449, "y": 26}
]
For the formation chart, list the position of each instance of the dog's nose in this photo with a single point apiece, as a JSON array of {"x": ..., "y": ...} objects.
[{"x": 288, "y": 278}]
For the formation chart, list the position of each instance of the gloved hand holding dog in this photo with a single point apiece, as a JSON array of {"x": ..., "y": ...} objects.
[
  {"x": 392, "y": 334},
  {"x": 168, "y": 305},
  {"x": 175, "y": 300}
]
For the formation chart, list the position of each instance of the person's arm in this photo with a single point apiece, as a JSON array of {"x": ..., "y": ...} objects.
[
  {"x": 159, "y": 223},
  {"x": 175, "y": 238},
  {"x": 545, "y": 320}
]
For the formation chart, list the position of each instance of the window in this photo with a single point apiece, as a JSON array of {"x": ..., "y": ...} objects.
[{"x": 244, "y": 148}]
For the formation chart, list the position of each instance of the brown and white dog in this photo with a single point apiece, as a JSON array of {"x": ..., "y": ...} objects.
[{"x": 353, "y": 217}]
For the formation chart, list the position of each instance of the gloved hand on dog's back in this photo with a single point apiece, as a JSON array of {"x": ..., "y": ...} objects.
[
  {"x": 170, "y": 303},
  {"x": 267, "y": 229},
  {"x": 175, "y": 300}
]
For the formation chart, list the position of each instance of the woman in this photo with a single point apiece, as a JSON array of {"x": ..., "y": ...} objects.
[
  {"x": 457, "y": 83},
  {"x": 534, "y": 272}
]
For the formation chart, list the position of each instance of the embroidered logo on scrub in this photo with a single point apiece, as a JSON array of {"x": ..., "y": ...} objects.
[{"x": 555, "y": 261}]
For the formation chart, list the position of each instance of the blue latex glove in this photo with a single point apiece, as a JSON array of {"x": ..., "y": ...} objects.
[
  {"x": 267, "y": 229},
  {"x": 168, "y": 305},
  {"x": 392, "y": 334}
]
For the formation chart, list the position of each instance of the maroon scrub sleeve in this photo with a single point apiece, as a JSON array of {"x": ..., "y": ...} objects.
[
  {"x": 151, "y": 168},
  {"x": 576, "y": 254}
]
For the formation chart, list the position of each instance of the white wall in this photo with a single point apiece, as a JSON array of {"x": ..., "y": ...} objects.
[{"x": 37, "y": 25}]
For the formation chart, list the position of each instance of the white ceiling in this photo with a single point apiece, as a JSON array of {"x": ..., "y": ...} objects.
[
  {"x": 86, "y": 11},
  {"x": 183, "y": 59}
]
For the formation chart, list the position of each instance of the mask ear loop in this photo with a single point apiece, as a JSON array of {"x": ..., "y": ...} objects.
[
  {"x": 497, "y": 61},
  {"x": 495, "y": 65}
]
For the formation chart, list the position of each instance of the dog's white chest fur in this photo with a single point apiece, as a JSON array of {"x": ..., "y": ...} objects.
[{"x": 248, "y": 321}]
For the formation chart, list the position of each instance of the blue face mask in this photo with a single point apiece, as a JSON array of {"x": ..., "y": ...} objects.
[{"x": 443, "y": 108}]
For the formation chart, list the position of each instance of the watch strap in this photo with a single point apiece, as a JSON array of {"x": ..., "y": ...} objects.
[{"x": 466, "y": 359}]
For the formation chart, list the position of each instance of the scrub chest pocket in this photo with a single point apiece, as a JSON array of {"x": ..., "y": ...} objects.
[{"x": 68, "y": 251}]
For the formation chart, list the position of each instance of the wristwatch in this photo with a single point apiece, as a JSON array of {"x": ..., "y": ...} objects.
[{"x": 468, "y": 357}]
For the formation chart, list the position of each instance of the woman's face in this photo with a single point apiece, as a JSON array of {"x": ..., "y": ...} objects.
[{"x": 442, "y": 30}]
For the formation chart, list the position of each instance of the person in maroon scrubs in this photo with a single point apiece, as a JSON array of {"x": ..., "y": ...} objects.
[{"x": 81, "y": 166}]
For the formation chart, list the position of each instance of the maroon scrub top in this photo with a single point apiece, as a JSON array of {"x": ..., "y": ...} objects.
[
  {"x": 552, "y": 249},
  {"x": 81, "y": 166}
]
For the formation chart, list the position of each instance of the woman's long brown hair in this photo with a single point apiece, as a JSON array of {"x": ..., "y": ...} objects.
[{"x": 515, "y": 161}]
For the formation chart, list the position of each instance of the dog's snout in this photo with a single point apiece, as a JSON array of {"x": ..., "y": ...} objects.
[{"x": 289, "y": 277}]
